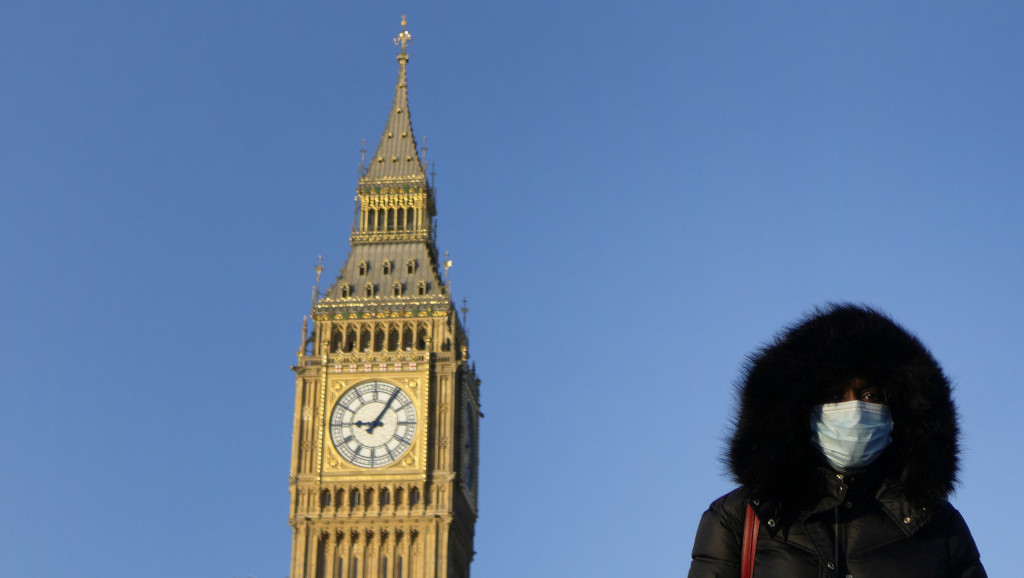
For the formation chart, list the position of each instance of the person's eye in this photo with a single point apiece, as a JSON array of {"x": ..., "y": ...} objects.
[{"x": 873, "y": 397}]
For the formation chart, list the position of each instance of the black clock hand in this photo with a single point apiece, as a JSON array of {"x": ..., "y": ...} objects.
[{"x": 376, "y": 422}]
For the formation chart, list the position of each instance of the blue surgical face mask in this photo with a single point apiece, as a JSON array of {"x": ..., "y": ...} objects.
[{"x": 851, "y": 434}]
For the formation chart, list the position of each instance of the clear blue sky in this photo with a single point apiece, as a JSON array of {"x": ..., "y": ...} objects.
[{"x": 634, "y": 199}]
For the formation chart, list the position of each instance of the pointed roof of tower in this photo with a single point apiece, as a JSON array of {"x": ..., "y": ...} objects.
[{"x": 397, "y": 157}]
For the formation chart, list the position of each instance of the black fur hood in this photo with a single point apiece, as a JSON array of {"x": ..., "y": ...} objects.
[{"x": 770, "y": 452}]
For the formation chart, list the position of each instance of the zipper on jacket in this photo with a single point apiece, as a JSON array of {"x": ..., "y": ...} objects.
[{"x": 839, "y": 566}]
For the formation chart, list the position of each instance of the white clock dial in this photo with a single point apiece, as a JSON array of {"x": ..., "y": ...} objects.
[{"x": 373, "y": 424}]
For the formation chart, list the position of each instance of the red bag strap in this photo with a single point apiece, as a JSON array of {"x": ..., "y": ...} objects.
[{"x": 750, "y": 528}]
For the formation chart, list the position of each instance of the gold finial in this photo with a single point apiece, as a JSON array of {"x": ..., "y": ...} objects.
[
  {"x": 319, "y": 269},
  {"x": 404, "y": 38},
  {"x": 447, "y": 265},
  {"x": 362, "y": 159}
]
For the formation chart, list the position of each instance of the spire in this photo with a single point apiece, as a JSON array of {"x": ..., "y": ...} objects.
[
  {"x": 395, "y": 203},
  {"x": 397, "y": 158}
]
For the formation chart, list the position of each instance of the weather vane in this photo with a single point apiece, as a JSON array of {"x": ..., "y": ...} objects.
[{"x": 404, "y": 38}]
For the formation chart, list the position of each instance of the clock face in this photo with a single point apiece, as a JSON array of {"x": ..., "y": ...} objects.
[{"x": 373, "y": 424}]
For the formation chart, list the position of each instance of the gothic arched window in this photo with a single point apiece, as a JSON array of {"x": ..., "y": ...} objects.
[{"x": 350, "y": 340}]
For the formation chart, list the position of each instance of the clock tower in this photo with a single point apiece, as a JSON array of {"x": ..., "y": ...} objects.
[{"x": 384, "y": 452}]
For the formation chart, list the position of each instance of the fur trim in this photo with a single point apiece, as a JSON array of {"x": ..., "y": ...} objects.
[{"x": 805, "y": 365}]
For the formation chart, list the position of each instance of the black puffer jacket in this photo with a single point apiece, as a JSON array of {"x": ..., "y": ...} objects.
[{"x": 889, "y": 520}]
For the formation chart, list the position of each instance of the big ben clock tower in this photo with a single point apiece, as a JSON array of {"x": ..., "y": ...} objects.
[{"x": 384, "y": 452}]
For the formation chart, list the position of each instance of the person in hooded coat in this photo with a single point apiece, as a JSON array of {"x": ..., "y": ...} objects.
[{"x": 845, "y": 449}]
